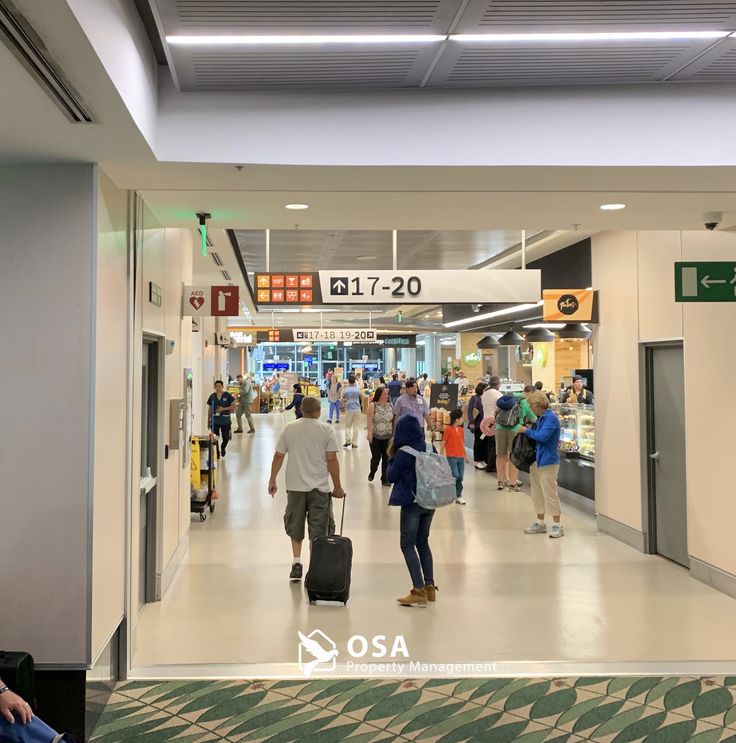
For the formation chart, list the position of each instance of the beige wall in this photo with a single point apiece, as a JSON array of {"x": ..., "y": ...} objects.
[
  {"x": 617, "y": 458},
  {"x": 635, "y": 275},
  {"x": 710, "y": 361},
  {"x": 110, "y": 414},
  {"x": 468, "y": 344},
  {"x": 543, "y": 367},
  {"x": 166, "y": 259}
]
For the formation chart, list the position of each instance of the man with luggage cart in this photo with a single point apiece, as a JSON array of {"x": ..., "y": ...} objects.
[{"x": 312, "y": 449}]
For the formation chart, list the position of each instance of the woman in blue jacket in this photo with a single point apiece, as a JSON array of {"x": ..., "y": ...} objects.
[
  {"x": 296, "y": 402},
  {"x": 543, "y": 473},
  {"x": 415, "y": 520}
]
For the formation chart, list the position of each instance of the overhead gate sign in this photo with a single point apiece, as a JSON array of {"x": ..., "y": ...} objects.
[
  {"x": 398, "y": 287},
  {"x": 211, "y": 301}
]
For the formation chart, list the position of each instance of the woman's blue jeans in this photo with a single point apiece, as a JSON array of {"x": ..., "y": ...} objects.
[
  {"x": 334, "y": 409},
  {"x": 415, "y": 524}
]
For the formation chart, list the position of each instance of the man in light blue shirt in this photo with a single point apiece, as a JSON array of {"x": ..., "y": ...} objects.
[
  {"x": 351, "y": 395},
  {"x": 410, "y": 403}
]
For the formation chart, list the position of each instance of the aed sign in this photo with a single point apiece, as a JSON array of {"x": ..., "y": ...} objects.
[
  {"x": 211, "y": 301},
  {"x": 569, "y": 305}
]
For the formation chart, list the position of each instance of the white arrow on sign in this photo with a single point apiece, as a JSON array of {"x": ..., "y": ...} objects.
[
  {"x": 707, "y": 281},
  {"x": 340, "y": 286}
]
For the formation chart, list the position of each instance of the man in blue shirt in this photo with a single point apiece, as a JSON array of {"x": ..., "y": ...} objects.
[
  {"x": 351, "y": 395},
  {"x": 394, "y": 388},
  {"x": 410, "y": 403},
  {"x": 219, "y": 406},
  {"x": 543, "y": 473}
]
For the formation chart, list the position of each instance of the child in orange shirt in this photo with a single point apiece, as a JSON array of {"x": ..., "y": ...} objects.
[{"x": 454, "y": 441}]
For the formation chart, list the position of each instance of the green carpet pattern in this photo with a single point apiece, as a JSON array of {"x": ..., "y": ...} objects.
[{"x": 497, "y": 710}]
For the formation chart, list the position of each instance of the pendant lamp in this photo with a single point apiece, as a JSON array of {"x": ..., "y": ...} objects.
[
  {"x": 575, "y": 330},
  {"x": 512, "y": 338},
  {"x": 488, "y": 342},
  {"x": 539, "y": 335}
]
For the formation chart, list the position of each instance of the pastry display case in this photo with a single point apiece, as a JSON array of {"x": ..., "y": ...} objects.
[
  {"x": 577, "y": 434},
  {"x": 577, "y": 448}
]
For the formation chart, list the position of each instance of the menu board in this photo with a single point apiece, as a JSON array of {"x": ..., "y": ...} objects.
[{"x": 444, "y": 396}]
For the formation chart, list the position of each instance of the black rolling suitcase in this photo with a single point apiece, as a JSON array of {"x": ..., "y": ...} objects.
[{"x": 330, "y": 564}]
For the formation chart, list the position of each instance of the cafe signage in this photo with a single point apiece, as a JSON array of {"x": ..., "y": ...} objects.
[{"x": 569, "y": 305}]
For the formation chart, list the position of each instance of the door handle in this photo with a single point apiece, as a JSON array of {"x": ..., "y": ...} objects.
[{"x": 654, "y": 456}]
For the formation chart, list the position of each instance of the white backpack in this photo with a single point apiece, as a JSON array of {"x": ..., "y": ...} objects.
[{"x": 435, "y": 483}]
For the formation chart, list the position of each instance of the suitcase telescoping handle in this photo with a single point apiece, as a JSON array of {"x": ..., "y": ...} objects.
[{"x": 342, "y": 516}]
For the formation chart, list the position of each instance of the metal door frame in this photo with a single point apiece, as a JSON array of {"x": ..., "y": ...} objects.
[
  {"x": 649, "y": 491},
  {"x": 154, "y": 537}
]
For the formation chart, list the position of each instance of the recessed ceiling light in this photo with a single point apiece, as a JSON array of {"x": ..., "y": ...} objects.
[
  {"x": 366, "y": 258},
  {"x": 296, "y": 206},
  {"x": 255, "y": 40},
  {"x": 594, "y": 36},
  {"x": 426, "y": 317},
  {"x": 612, "y": 207}
]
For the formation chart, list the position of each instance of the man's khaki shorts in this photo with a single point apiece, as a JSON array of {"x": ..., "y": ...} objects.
[
  {"x": 314, "y": 507},
  {"x": 504, "y": 442}
]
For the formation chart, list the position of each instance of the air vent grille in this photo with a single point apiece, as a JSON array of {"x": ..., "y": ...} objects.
[
  {"x": 253, "y": 14},
  {"x": 296, "y": 69},
  {"x": 25, "y": 44},
  {"x": 722, "y": 69},
  {"x": 226, "y": 275},
  {"x": 550, "y": 65},
  {"x": 216, "y": 258},
  {"x": 664, "y": 14}
]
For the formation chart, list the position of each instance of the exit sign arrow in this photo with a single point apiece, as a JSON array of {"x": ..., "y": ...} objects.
[{"x": 705, "y": 281}]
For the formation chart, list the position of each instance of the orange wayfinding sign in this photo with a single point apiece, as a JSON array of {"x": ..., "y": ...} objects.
[{"x": 569, "y": 305}]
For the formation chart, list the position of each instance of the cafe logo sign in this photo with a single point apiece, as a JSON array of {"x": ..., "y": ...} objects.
[
  {"x": 568, "y": 304},
  {"x": 472, "y": 358}
]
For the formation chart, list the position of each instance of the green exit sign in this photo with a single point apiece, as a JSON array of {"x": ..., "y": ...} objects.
[{"x": 705, "y": 281}]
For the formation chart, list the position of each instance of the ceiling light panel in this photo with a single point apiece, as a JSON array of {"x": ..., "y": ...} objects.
[
  {"x": 303, "y": 39},
  {"x": 399, "y": 42}
]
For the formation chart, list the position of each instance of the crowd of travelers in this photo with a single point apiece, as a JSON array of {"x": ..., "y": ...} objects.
[{"x": 397, "y": 420}]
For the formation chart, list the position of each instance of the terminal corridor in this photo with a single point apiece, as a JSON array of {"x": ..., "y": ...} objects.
[{"x": 525, "y": 602}]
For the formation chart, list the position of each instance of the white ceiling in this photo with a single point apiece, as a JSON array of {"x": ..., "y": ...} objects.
[{"x": 452, "y": 64}]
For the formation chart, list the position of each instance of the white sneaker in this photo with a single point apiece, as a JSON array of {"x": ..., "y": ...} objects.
[
  {"x": 538, "y": 527},
  {"x": 460, "y": 501},
  {"x": 480, "y": 465},
  {"x": 557, "y": 531}
]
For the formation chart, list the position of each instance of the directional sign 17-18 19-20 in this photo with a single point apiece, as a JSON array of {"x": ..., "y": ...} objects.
[{"x": 705, "y": 281}]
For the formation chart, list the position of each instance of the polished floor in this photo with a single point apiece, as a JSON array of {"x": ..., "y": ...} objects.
[
  {"x": 517, "y": 603},
  {"x": 499, "y": 710}
]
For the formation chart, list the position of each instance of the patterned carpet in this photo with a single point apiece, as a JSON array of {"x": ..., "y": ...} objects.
[{"x": 498, "y": 710}]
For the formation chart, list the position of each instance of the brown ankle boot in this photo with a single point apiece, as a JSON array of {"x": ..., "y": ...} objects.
[
  {"x": 431, "y": 590},
  {"x": 416, "y": 597}
]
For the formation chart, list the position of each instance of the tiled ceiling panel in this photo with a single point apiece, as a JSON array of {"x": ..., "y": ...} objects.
[
  {"x": 312, "y": 250},
  {"x": 309, "y": 68},
  {"x": 456, "y": 64},
  {"x": 487, "y": 16},
  {"x": 278, "y": 16},
  {"x": 558, "y": 64}
]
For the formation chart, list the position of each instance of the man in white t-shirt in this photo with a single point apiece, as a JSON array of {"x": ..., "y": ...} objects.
[
  {"x": 312, "y": 459},
  {"x": 490, "y": 397}
]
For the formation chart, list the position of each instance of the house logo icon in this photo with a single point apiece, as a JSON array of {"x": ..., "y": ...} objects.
[{"x": 316, "y": 652}]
